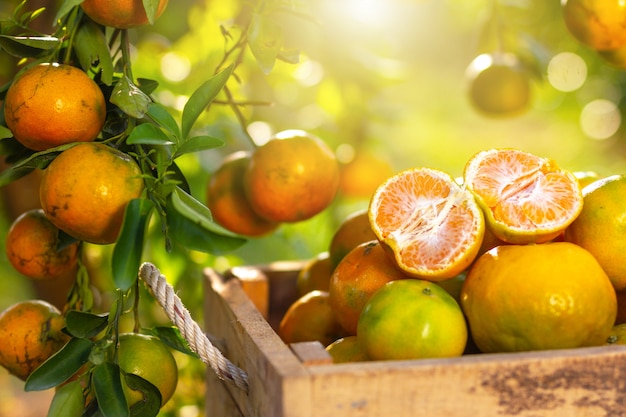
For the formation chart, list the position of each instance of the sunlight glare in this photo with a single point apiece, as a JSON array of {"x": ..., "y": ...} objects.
[{"x": 368, "y": 12}]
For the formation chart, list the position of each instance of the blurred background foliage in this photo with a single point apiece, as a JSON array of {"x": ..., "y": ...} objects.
[{"x": 382, "y": 82}]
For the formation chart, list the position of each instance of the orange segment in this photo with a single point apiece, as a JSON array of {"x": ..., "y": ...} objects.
[
  {"x": 526, "y": 198},
  {"x": 433, "y": 226}
]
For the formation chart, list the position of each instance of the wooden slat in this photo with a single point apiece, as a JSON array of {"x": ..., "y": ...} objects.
[
  {"x": 586, "y": 382},
  {"x": 253, "y": 346}
]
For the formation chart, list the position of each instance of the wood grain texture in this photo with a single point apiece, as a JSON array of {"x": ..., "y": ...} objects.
[{"x": 586, "y": 382}]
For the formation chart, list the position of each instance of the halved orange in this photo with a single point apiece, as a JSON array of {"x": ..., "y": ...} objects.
[
  {"x": 526, "y": 198},
  {"x": 432, "y": 226}
]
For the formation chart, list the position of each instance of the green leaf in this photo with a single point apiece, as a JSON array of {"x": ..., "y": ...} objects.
[
  {"x": 68, "y": 401},
  {"x": 197, "y": 144},
  {"x": 92, "y": 48},
  {"x": 146, "y": 85},
  {"x": 160, "y": 115},
  {"x": 61, "y": 366},
  {"x": 151, "y": 7},
  {"x": 39, "y": 160},
  {"x": 171, "y": 336},
  {"x": 265, "y": 38},
  {"x": 28, "y": 46},
  {"x": 85, "y": 325},
  {"x": 190, "y": 224},
  {"x": 5, "y": 132},
  {"x": 151, "y": 404},
  {"x": 129, "y": 246},
  {"x": 129, "y": 98},
  {"x": 65, "y": 8},
  {"x": 148, "y": 134},
  {"x": 201, "y": 98},
  {"x": 107, "y": 384}
]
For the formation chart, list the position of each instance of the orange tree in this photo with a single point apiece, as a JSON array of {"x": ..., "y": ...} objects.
[{"x": 87, "y": 371}]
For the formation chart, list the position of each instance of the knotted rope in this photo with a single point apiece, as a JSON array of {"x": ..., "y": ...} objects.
[{"x": 189, "y": 329}]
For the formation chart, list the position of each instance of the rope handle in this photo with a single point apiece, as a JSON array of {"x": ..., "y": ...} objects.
[{"x": 189, "y": 329}]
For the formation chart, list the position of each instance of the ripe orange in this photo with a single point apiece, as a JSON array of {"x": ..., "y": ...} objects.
[
  {"x": 499, "y": 85},
  {"x": 30, "y": 332},
  {"x": 147, "y": 357},
  {"x": 360, "y": 273},
  {"x": 352, "y": 231},
  {"x": 53, "y": 104},
  {"x": 310, "y": 318},
  {"x": 315, "y": 275},
  {"x": 363, "y": 174},
  {"x": 85, "y": 190},
  {"x": 535, "y": 297},
  {"x": 346, "y": 349},
  {"x": 120, "y": 14},
  {"x": 412, "y": 319},
  {"x": 32, "y": 247},
  {"x": 598, "y": 24},
  {"x": 600, "y": 226},
  {"x": 227, "y": 200},
  {"x": 525, "y": 198},
  {"x": 292, "y": 177},
  {"x": 432, "y": 225}
]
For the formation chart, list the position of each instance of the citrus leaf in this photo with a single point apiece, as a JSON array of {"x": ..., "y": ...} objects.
[
  {"x": 146, "y": 85},
  {"x": 159, "y": 114},
  {"x": 91, "y": 48},
  {"x": 85, "y": 325},
  {"x": 129, "y": 98},
  {"x": 107, "y": 383},
  {"x": 68, "y": 401},
  {"x": 27, "y": 46},
  {"x": 61, "y": 366},
  {"x": 151, "y": 7},
  {"x": 148, "y": 134},
  {"x": 65, "y": 8},
  {"x": 151, "y": 404},
  {"x": 197, "y": 144},
  {"x": 5, "y": 132},
  {"x": 190, "y": 224},
  {"x": 171, "y": 336},
  {"x": 202, "y": 97},
  {"x": 265, "y": 38},
  {"x": 128, "y": 248}
]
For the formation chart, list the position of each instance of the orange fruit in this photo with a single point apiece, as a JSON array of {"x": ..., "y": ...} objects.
[
  {"x": 54, "y": 104},
  {"x": 346, "y": 349},
  {"x": 431, "y": 225},
  {"x": 598, "y": 24},
  {"x": 360, "y": 273},
  {"x": 525, "y": 198},
  {"x": 292, "y": 177},
  {"x": 362, "y": 175},
  {"x": 149, "y": 358},
  {"x": 227, "y": 200},
  {"x": 352, "y": 231},
  {"x": 120, "y": 14},
  {"x": 535, "y": 297},
  {"x": 30, "y": 332},
  {"x": 499, "y": 85},
  {"x": 32, "y": 247},
  {"x": 310, "y": 318},
  {"x": 412, "y": 319},
  {"x": 85, "y": 190},
  {"x": 315, "y": 274},
  {"x": 600, "y": 226}
]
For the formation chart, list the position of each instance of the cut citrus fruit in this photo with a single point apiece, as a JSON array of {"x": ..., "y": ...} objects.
[
  {"x": 525, "y": 198},
  {"x": 431, "y": 225}
]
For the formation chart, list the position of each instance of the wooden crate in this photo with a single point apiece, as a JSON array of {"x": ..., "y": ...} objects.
[{"x": 301, "y": 381}]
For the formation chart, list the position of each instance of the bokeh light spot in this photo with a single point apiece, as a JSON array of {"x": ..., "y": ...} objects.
[
  {"x": 567, "y": 71},
  {"x": 600, "y": 119}
]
